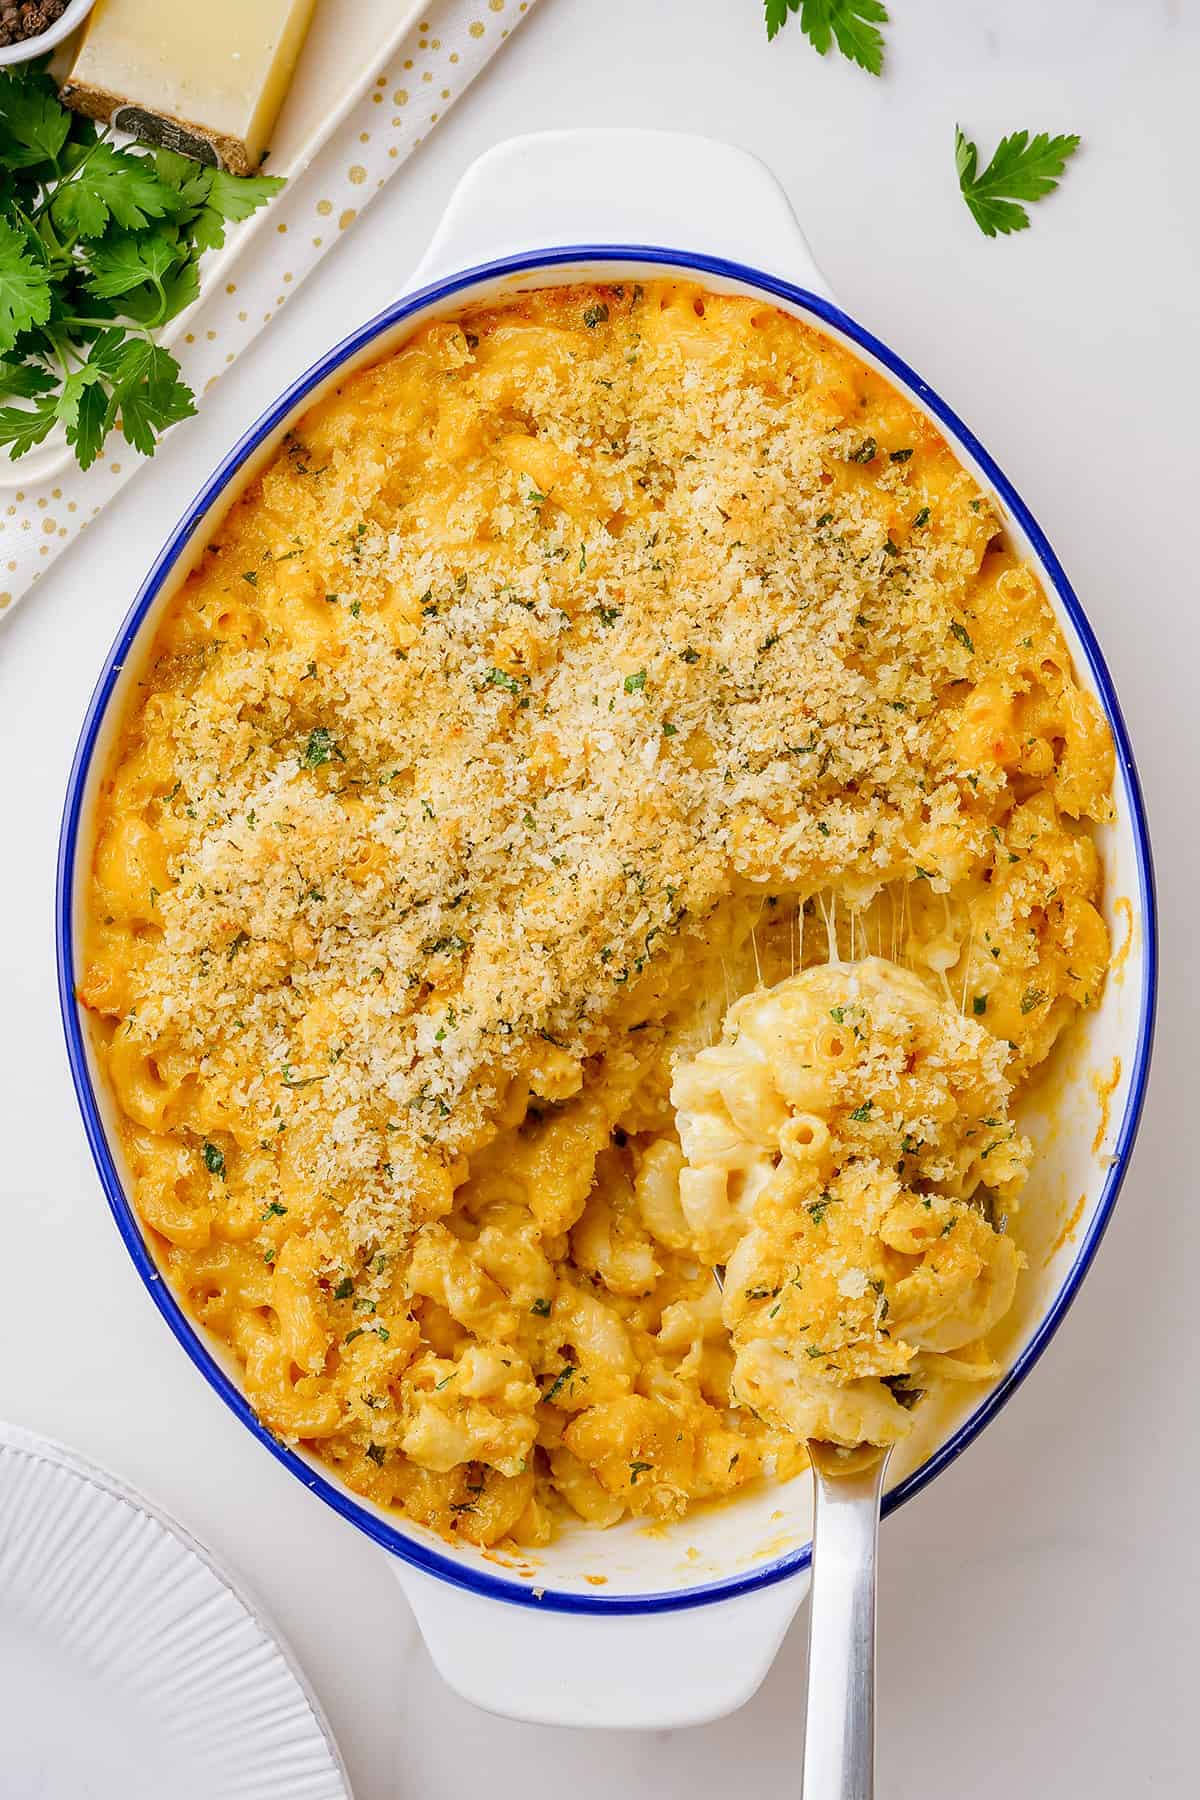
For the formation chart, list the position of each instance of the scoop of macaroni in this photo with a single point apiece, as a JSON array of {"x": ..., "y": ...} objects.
[{"x": 851, "y": 1159}]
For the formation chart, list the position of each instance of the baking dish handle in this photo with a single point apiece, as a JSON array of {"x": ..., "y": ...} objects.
[
  {"x": 634, "y": 1671},
  {"x": 601, "y": 188}
]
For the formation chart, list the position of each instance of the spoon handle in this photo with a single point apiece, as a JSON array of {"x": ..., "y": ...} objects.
[{"x": 839, "y": 1742}]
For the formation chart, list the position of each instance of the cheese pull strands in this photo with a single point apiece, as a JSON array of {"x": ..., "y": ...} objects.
[{"x": 207, "y": 81}]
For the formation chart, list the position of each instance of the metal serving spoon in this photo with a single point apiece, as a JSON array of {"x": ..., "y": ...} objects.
[
  {"x": 839, "y": 1731},
  {"x": 839, "y": 1735}
]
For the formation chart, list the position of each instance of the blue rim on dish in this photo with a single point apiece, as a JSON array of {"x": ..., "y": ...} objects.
[{"x": 188, "y": 1333}]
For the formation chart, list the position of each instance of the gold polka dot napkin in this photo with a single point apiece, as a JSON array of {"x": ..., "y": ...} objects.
[{"x": 428, "y": 72}]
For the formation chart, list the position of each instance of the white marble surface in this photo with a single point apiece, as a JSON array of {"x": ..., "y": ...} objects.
[{"x": 1039, "y": 1607}]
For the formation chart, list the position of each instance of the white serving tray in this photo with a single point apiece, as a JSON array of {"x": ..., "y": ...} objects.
[{"x": 348, "y": 42}]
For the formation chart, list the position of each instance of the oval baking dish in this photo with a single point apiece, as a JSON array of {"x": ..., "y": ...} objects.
[{"x": 608, "y": 1628}]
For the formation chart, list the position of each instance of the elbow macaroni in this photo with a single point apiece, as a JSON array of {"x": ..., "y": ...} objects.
[
  {"x": 876, "y": 1118},
  {"x": 603, "y": 655}
]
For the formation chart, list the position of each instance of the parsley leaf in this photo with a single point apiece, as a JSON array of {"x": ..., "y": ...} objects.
[
  {"x": 86, "y": 411},
  {"x": 109, "y": 184},
  {"x": 124, "y": 261},
  {"x": 231, "y": 198},
  {"x": 24, "y": 380},
  {"x": 1022, "y": 168},
  {"x": 24, "y": 287},
  {"x": 852, "y": 24},
  {"x": 33, "y": 126},
  {"x": 23, "y": 427},
  {"x": 149, "y": 393}
]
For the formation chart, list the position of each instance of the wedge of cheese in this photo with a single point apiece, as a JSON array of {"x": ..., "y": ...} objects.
[{"x": 207, "y": 80}]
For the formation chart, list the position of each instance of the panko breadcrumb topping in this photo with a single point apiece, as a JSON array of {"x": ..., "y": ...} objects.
[{"x": 584, "y": 626}]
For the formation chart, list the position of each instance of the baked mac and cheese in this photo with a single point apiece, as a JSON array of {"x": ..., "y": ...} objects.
[{"x": 601, "y": 656}]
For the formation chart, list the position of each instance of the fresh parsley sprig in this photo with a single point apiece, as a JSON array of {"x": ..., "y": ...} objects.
[
  {"x": 99, "y": 249},
  {"x": 1022, "y": 168},
  {"x": 852, "y": 24}
]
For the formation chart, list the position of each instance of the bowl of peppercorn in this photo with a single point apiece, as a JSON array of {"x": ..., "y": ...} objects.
[{"x": 29, "y": 28}]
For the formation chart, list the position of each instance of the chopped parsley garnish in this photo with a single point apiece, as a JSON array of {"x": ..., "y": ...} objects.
[
  {"x": 214, "y": 1159},
  {"x": 899, "y": 456},
  {"x": 541, "y": 1308},
  {"x": 962, "y": 634},
  {"x": 596, "y": 315},
  {"x": 922, "y": 518},
  {"x": 862, "y": 1112},
  {"x": 380, "y": 1331},
  {"x": 979, "y": 1005},
  {"x": 376, "y": 1452},
  {"x": 635, "y": 683},
  {"x": 502, "y": 679},
  {"x": 435, "y": 946},
  {"x": 865, "y": 452},
  {"x": 1033, "y": 996},
  {"x": 344, "y": 1288},
  {"x": 564, "y": 1376},
  {"x": 291, "y": 1080},
  {"x": 320, "y": 749},
  {"x": 636, "y": 1469}
]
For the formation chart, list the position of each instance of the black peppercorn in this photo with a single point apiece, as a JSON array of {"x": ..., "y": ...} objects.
[{"x": 22, "y": 19}]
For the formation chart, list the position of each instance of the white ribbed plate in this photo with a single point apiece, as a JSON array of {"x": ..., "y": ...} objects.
[{"x": 130, "y": 1667}]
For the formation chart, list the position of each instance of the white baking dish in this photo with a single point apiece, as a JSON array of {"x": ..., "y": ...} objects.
[{"x": 637, "y": 1627}]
